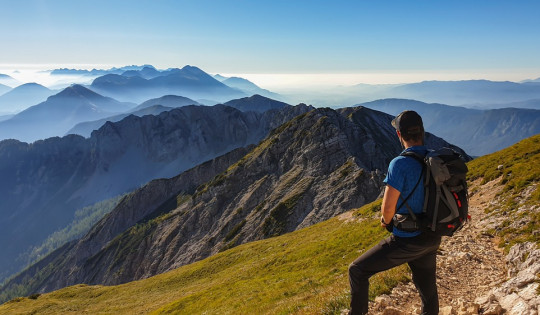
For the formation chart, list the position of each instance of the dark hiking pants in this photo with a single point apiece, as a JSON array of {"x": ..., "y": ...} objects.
[{"x": 419, "y": 252}]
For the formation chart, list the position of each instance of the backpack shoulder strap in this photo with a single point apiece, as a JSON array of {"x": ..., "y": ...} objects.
[
  {"x": 420, "y": 159},
  {"x": 425, "y": 170},
  {"x": 415, "y": 155}
]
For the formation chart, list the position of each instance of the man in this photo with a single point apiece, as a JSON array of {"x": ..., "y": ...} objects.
[{"x": 404, "y": 189}]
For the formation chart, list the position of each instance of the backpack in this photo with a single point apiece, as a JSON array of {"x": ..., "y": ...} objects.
[{"x": 446, "y": 207}]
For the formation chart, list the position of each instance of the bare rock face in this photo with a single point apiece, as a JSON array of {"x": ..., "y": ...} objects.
[{"x": 518, "y": 294}]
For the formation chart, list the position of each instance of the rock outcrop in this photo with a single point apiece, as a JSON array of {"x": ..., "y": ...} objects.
[{"x": 519, "y": 294}]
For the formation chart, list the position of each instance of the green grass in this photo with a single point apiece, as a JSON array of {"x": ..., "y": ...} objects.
[
  {"x": 520, "y": 166},
  {"x": 303, "y": 272},
  {"x": 520, "y": 169}
]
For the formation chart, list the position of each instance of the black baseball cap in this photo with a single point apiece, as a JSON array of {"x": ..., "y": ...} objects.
[{"x": 408, "y": 122}]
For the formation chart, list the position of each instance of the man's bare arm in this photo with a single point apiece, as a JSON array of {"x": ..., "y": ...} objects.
[{"x": 389, "y": 204}]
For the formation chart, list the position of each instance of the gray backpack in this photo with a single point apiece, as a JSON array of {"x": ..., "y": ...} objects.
[{"x": 446, "y": 207}]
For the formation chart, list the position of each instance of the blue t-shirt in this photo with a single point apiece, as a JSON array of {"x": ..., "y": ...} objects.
[{"x": 403, "y": 174}]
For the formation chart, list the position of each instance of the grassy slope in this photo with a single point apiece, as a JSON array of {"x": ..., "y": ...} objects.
[
  {"x": 520, "y": 171},
  {"x": 300, "y": 272}
]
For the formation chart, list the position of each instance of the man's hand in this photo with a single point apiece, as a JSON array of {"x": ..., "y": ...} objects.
[{"x": 389, "y": 227}]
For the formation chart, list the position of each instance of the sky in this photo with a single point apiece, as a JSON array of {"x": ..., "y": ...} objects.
[{"x": 280, "y": 42}]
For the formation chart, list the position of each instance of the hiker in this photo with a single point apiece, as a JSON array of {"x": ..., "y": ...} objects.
[{"x": 411, "y": 246}]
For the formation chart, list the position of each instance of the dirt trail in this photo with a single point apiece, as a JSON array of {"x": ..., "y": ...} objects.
[{"x": 469, "y": 265}]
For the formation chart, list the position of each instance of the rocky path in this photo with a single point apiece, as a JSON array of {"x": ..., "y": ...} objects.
[{"x": 469, "y": 266}]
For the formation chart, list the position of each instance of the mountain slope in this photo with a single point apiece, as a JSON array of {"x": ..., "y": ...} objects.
[
  {"x": 256, "y": 103},
  {"x": 59, "y": 113},
  {"x": 8, "y": 80},
  {"x": 311, "y": 168},
  {"x": 247, "y": 86},
  {"x": 167, "y": 101},
  {"x": 189, "y": 81},
  {"x": 42, "y": 184},
  {"x": 151, "y": 107},
  {"x": 305, "y": 271},
  {"x": 23, "y": 97},
  {"x": 86, "y": 128},
  {"x": 478, "y": 132},
  {"x": 4, "y": 89}
]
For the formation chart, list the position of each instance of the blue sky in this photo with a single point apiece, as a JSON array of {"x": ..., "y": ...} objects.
[{"x": 463, "y": 38}]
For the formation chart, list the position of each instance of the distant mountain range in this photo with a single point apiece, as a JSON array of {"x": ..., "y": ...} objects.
[
  {"x": 189, "y": 81},
  {"x": 24, "y": 96},
  {"x": 315, "y": 166},
  {"x": 537, "y": 80},
  {"x": 247, "y": 86},
  {"x": 86, "y": 128},
  {"x": 479, "y": 94},
  {"x": 43, "y": 183},
  {"x": 151, "y": 107},
  {"x": 155, "y": 106},
  {"x": 478, "y": 132},
  {"x": 8, "y": 80},
  {"x": 59, "y": 113},
  {"x": 142, "y": 83},
  {"x": 467, "y": 92},
  {"x": 96, "y": 72},
  {"x": 4, "y": 89}
]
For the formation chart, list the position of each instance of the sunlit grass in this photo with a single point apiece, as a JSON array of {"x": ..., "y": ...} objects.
[
  {"x": 302, "y": 272},
  {"x": 516, "y": 168}
]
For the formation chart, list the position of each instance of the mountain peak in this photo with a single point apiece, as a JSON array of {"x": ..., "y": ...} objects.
[
  {"x": 256, "y": 103},
  {"x": 32, "y": 85},
  {"x": 76, "y": 90},
  {"x": 195, "y": 71},
  {"x": 189, "y": 67}
]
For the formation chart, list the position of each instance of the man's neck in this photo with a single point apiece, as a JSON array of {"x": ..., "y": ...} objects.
[{"x": 407, "y": 144}]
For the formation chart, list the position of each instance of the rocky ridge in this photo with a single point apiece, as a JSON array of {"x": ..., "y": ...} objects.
[
  {"x": 316, "y": 166},
  {"x": 45, "y": 182}
]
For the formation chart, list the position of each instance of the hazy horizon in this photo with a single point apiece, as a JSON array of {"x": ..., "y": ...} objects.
[
  {"x": 278, "y": 82},
  {"x": 281, "y": 44}
]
